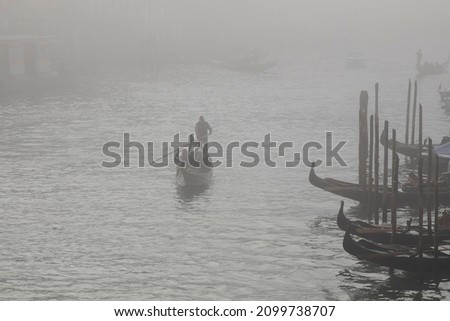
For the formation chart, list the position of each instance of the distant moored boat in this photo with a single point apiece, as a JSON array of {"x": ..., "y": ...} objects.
[
  {"x": 247, "y": 64},
  {"x": 355, "y": 61},
  {"x": 444, "y": 93},
  {"x": 429, "y": 68}
]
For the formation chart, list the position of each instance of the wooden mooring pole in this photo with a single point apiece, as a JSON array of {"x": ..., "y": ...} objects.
[
  {"x": 377, "y": 158},
  {"x": 413, "y": 122},
  {"x": 370, "y": 188},
  {"x": 394, "y": 201},
  {"x": 408, "y": 107},
  {"x": 385, "y": 173},
  {"x": 420, "y": 240},
  {"x": 436, "y": 217},
  {"x": 362, "y": 157},
  {"x": 429, "y": 185}
]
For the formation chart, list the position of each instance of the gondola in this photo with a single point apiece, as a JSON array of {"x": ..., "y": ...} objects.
[
  {"x": 383, "y": 234},
  {"x": 345, "y": 189},
  {"x": 446, "y": 104},
  {"x": 249, "y": 65},
  {"x": 445, "y": 94},
  {"x": 358, "y": 193},
  {"x": 410, "y": 150},
  {"x": 396, "y": 256},
  {"x": 427, "y": 68},
  {"x": 193, "y": 176}
]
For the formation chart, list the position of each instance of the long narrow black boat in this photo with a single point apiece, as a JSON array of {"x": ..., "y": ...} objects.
[
  {"x": 410, "y": 150},
  {"x": 396, "y": 256},
  {"x": 345, "y": 189},
  {"x": 383, "y": 234},
  {"x": 359, "y": 193}
]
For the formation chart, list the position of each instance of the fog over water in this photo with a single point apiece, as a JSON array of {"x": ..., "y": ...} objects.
[
  {"x": 71, "y": 229},
  {"x": 134, "y": 30}
]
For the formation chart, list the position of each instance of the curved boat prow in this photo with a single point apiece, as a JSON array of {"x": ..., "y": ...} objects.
[
  {"x": 383, "y": 138},
  {"x": 342, "y": 221},
  {"x": 348, "y": 244},
  {"x": 313, "y": 179}
]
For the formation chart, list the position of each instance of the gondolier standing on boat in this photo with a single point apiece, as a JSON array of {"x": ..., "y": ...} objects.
[{"x": 202, "y": 130}]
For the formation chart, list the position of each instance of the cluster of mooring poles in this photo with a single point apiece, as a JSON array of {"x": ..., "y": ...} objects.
[{"x": 384, "y": 197}]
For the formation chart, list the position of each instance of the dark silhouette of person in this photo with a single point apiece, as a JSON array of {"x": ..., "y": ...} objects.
[
  {"x": 445, "y": 140},
  {"x": 202, "y": 130},
  {"x": 413, "y": 180},
  {"x": 419, "y": 56}
]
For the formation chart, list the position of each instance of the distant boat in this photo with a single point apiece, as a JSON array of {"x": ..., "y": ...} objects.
[
  {"x": 355, "y": 61},
  {"x": 444, "y": 93},
  {"x": 429, "y": 68},
  {"x": 27, "y": 64},
  {"x": 446, "y": 104},
  {"x": 247, "y": 64}
]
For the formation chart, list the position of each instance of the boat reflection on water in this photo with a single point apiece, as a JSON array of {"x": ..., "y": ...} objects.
[
  {"x": 369, "y": 282},
  {"x": 190, "y": 193},
  {"x": 364, "y": 280}
]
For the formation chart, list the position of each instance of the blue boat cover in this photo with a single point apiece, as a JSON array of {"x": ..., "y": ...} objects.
[{"x": 443, "y": 150}]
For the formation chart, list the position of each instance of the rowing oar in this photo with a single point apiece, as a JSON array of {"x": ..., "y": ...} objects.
[{"x": 168, "y": 154}]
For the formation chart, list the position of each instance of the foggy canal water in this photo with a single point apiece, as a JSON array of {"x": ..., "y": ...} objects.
[{"x": 73, "y": 230}]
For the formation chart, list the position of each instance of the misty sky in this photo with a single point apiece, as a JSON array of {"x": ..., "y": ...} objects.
[{"x": 241, "y": 25}]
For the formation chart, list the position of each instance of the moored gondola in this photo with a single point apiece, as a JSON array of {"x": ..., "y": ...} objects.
[
  {"x": 341, "y": 188},
  {"x": 358, "y": 193},
  {"x": 408, "y": 235},
  {"x": 410, "y": 150},
  {"x": 396, "y": 256}
]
